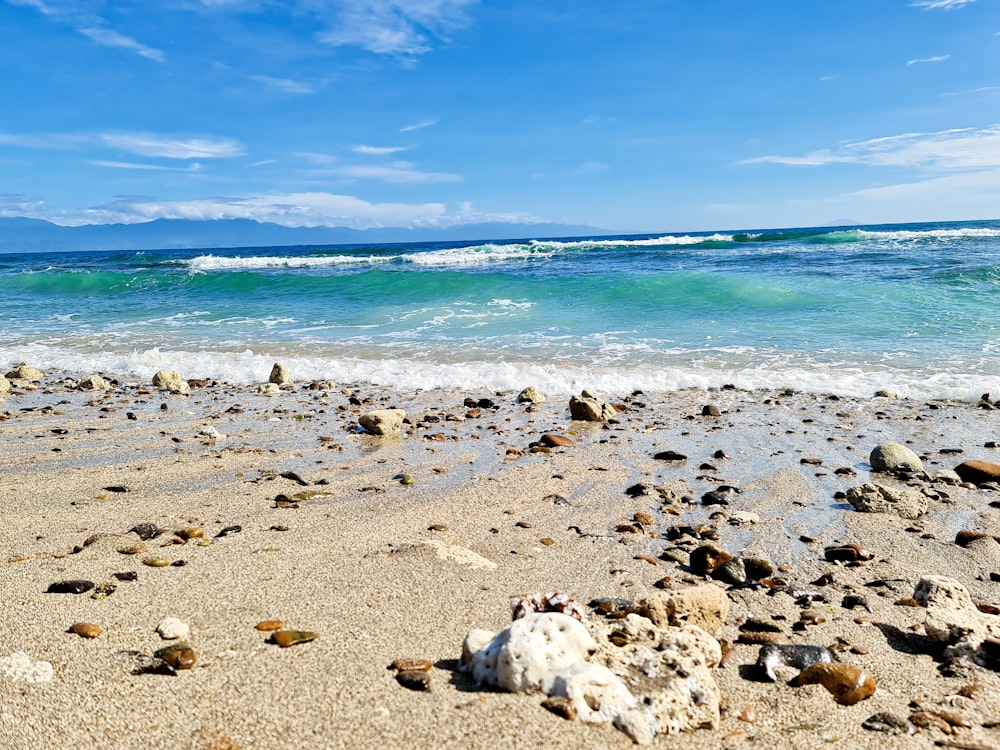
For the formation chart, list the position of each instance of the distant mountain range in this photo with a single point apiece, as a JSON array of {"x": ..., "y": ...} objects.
[{"x": 35, "y": 235}]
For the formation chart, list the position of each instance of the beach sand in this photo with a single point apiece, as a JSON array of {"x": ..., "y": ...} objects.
[{"x": 356, "y": 561}]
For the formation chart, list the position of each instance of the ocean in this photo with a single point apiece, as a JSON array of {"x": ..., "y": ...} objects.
[{"x": 914, "y": 308}]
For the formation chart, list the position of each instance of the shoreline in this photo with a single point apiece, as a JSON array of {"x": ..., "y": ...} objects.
[{"x": 355, "y": 563}]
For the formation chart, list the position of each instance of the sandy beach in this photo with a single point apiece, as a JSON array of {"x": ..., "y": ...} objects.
[{"x": 359, "y": 539}]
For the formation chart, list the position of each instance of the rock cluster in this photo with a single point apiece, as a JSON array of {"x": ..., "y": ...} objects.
[{"x": 954, "y": 621}]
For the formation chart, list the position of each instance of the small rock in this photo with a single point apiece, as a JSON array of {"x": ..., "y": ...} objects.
[
  {"x": 85, "y": 629},
  {"x": 893, "y": 457},
  {"x": 279, "y": 375},
  {"x": 531, "y": 395},
  {"x": 588, "y": 408},
  {"x": 268, "y": 625},
  {"x": 414, "y": 679},
  {"x": 286, "y": 638},
  {"x": 19, "y": 667},
  {"x": 383, "y": 421},
  {"x": 172, "y": 628},
  {"x": 93, "y": 383},
  {"x": 847, "y": 683},
  {"x": 710, "y": 410},
  {"x": 177, "y": 655},
  {"x": 556, "y": 441},
  {"x": 76, "y": 586},
  {"x": 411, "y": 665},
  {"x": 669, "y": 456},
  {"x": 875, "y": 498},
  {"x": 978, "y": 472}
]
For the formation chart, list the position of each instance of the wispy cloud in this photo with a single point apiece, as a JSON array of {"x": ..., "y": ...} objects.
[
  {"x": 959, "y": 149},
  {"x": 941, "y": 4},
  {"x": 285, "y": 85},
  {"x": 935, "y": 59},
  {"x": 379, "y": 150},
  {"x": 391, "y": 27},
  {"x": 91, "y": 26},
  {"x": 109, "y": 38},
  {"x": 399, "y": 172},
  {"x": 148, "y": 144},
  {"x": 195, "y": 167},
  {"x": 418, "y": 126},
  {"x": 591, "y": 167}
]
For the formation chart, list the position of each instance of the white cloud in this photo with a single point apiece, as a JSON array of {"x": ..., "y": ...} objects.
[
  {"x": 293, "y": 210},
  {"x": 935, "y": 59},
  {"x": 285, "y": 85},
  {"x": 109, "y": 38},
  {"x": 959, "y": 149},
  {"x": 152, "y": 167},
  {"x": 15, "y": 204},
  {"x": 390, "y": 27},
  {"x": 399, "y": 172},
  {"x": 418, "y": 126},
  {"x": 379, "y": 150},
  {"x": 148, "y": 144},
  {"x": 941, "y": 4}
]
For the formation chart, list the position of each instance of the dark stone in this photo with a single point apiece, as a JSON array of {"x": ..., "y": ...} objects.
[{"x": 77, "y": 586}]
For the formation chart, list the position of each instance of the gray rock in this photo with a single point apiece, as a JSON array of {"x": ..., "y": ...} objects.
[
  {"x": 531, "y": 395},
  {"x": 268, "y": 389},
  {"x": 25, "y": 372},
  {"x": 279, "y": 374},
  {"x": 874, "y": 498},
  {"x": 892, "y": 457},
  {"x": 383, "y": 421},
  {"x": 93, "y": 383},
  {"x": 172, "y": 381},
  {"x": 588, "y": 408},
  {"x": 954, "y": 620}
]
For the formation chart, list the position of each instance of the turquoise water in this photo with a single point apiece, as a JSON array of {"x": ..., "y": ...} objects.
[{"x": 910, "y": 307}]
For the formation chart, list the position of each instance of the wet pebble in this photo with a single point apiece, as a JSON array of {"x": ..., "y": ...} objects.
[
  {"x": 847, "y": 683},
  {"x": 127, "y": 575},
  {"x": 848, "y": 553},
  {"x": 85, "y": 629},
  {"x": 156, "y": 562},
  {"x": 75, "y": 586},
  {"x": 732, "y": 571},
  {"x": 707, "y": 558}
]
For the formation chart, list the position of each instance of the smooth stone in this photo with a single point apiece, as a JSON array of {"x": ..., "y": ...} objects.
[
  {"x": 796, "y": 656},
  {"x": 76, "y": 586},
  {"x": 710, "y": 410},
  {"x": 172, "y": 628},
  {"x": 847, "y": 683},
  {"x": 893, "y": 457},
  {"x": 268, "y": 625},
  {"x": 86, "y": 629},
  {"x": 156, "y": 562},
  {"x": 414, "y": 679},
  {"x": 286, "y": 638},
  {"x": 731, "y": 571},
  {"x": 885, "y": 393},
  {"x": 978, "y": 472},
  {"x": 706, "y": 558},
  {"x": 669, "y": 456},
  {"x": 411, "y": 665},
  {"x": 556, "y": 441}
]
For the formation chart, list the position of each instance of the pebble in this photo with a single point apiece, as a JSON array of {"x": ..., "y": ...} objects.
[
  {"x": 669, "y": 456},
  {"x": 560, "y": 706},
  {"x": 556, "y": 441},
  {"x": 128, "y": 575},
  {"x": 145, "y": 531},
  {"x": 172, "y": 628},
  {"x": 103, "y": 591},
  {"x": 796, "y": 656},
  {"x": 85, "y": 629},
  {"x": 133, "y": 549},
  {"x": 286, "y": 638},
  {"x": 707, "y": 558},
  {"x": 76, "y": 586},
  {"x": 156, "y": 562},
  {"x": 177, "y": 655},
  {"x": 269, "y": 625},
  {"x": 848, "y": 553},
  {"x": 414, "y": 679},
  {"x": 732, "y": 571},
  {"x": 406, "y": 664},
  {"x": 847, "y": 683}
]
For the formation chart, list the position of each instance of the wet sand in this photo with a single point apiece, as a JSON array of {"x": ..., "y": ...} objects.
[{"x": 355, "y": 561}]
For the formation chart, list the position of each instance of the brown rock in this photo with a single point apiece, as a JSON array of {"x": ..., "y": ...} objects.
[
  {"x": 978, "y": 472},
  {"x": 268, "y": 625},
  {"x": 556, "y": 441},
  {"x": 85, "y": 629}
]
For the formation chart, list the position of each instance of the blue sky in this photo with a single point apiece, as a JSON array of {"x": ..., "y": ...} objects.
[{"x": 630, "y": 115}]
